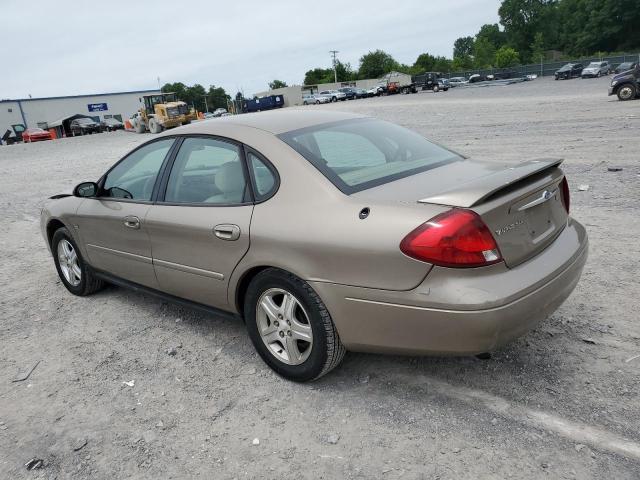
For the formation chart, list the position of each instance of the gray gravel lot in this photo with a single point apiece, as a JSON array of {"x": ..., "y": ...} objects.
[{"x": 562, "y": 402}]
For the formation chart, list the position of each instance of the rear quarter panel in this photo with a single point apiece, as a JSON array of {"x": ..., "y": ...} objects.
[{"x": 313, "y": 230}]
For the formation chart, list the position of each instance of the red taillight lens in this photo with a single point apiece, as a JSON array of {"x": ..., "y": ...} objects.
[
  {"x": 457, "y": 238},
  {"x": 566, "y": 198}
]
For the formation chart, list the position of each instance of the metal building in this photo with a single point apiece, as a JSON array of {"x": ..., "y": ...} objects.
[{"x": 50, "y": 111}]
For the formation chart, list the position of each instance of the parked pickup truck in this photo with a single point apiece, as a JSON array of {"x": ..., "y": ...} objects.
[{"x": 626, "y": 85}]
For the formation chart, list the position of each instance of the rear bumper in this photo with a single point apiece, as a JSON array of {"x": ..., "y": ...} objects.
[{"x": 459, "y": 312}]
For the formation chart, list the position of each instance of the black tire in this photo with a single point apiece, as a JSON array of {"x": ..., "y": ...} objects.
[
  {"x": 626, "y": 91},
  {"x": 88, "y": 282},
  {"x": 327, "y": 350}
]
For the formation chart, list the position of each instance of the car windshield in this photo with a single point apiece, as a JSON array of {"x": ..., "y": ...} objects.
[
  {"x": 84, "y": 120},
  {"x": 363, "y": 153},
  {"x": 568, "y": 66},
  {"x": 593, "y": 65}
]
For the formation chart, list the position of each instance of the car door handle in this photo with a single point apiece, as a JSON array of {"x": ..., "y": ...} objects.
[
  {"x": 227, "y": 231},
  {"x": 131, "y": 221}
]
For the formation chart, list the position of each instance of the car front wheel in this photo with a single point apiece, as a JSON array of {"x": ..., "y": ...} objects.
[
  {"x": 626, "y": 92},
  {"x": 75, "y": 274},
  {"x": 290, "y": 326}
]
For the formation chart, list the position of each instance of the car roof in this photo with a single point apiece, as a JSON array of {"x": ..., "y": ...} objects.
[{"x": 275, "y": 122}]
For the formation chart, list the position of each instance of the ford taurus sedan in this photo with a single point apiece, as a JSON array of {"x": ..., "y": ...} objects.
[{"x": 327, "y": 232}]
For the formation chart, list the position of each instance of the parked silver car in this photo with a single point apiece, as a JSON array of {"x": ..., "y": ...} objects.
[
  {"x": 457, "y": 81},
  {"x": 596, "y": 69},
  {"x": 315, "y": 99},
  {"x": 334, "y": 94}
]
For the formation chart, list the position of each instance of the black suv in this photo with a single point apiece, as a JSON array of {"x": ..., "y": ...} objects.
[
  {"x": 626, "y": 85},
  {"x": 570, "y": 70},
  {"x": 350, "y": 92}
]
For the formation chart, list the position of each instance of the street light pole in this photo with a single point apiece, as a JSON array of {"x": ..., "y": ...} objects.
[{"x": 335, "y": 71}]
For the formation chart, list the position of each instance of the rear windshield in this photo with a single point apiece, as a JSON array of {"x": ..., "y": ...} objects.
[{"x": 362, "y": 153}]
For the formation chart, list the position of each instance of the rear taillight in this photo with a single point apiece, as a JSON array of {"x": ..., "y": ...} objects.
[
  {"x": 457, "y": 238},
  {"x": 566, "y": 198}
]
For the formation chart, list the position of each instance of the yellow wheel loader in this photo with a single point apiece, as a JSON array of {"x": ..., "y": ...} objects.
[{"x": 161, "y": 111}]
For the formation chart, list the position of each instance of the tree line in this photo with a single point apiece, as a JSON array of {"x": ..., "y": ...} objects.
[
  {"x": 534, "y": 29},
  {"x": 198, "y": 96},
  {"x": 529, "y": 32}
]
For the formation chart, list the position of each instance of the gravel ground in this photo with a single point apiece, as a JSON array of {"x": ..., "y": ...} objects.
[{"x": 562, "y": 402}]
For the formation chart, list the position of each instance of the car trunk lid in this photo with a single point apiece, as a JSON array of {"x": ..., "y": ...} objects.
[{"x": 521, "y": 204}]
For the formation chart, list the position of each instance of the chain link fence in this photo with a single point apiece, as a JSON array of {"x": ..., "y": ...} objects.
[{"x": 545, "y": 69}]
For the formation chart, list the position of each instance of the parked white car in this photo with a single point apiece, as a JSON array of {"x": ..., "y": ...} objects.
[
  {"x": 375, "y": 91},
  {"x": 334, "y": 94}
]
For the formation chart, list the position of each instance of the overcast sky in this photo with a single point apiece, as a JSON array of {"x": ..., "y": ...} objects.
[{"x": 49, "y": 49}]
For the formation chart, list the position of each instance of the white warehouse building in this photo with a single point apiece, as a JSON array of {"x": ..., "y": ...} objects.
[{"x": 51, "y": 112}]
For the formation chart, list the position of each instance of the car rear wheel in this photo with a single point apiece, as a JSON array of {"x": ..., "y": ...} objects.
[
  {"x": 75, "y": 274},
  {"x": 626, "y": 92},
  {"x": 290, "y": 326}
]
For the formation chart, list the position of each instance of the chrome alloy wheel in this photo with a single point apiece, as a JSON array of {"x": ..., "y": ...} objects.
[
  {"x": 626, "y": 92},
  {"x": 284, "y": 326},
  {"x": 68, "y": 260}
]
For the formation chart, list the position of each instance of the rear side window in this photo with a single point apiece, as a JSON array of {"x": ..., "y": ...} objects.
[
  {"x": 362, "y": 153},
  {"x": 265, "y": 181},
  {"x": 209, "y": 171}
]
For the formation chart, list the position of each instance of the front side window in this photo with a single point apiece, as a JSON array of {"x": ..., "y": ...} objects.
[
  {"x": 134, "y": 177},
  {"x": 207, "y": 171},
  {"x": 363, "y": 153}
]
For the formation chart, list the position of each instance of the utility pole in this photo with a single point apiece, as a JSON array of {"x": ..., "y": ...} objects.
[
  {"x": 206, "y": 104},
  {"x": 335, "y": 72}
]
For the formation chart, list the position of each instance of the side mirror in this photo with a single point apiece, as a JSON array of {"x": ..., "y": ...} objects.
[{"x": 86, "y": 189}]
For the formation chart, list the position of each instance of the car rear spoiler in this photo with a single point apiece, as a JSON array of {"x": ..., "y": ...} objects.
[{"x": 473, "y": 192}]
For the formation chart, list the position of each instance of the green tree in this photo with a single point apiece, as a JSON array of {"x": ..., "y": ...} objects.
[
  {"x": 462, "y": 63},
  {"x": 318, "y": 75},
  {"x": 277, "y": 84},
  {"x": 375, "y": 64},
  {"x": 537, "y": 48},
  {"x": 178, "y": 88},
  {"x": 463, "y": 47},
  {"x": 492, "y": 33},
  {"x": 343, "y": 72},
  {"x": 217, "y": 97},
  {"x": 506, "y": 57},
  {"x": 522, "y": 19},
  {"x": 483, "y": 53},
  {"x": 195, "y": 96},
  {"x": 424, "y": 63},
  {"x": 442, "y": 64}
]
